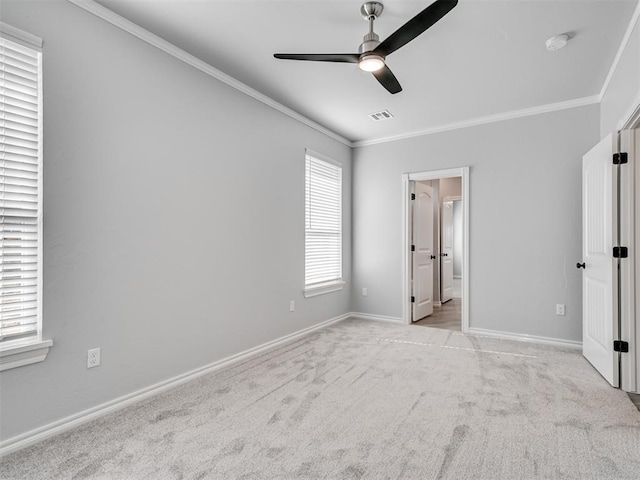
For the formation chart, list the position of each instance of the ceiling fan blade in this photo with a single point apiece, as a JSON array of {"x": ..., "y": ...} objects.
[
  {"x": 416, "y": 26},
  {"x": 388, "y": 80},
  {"x": 321, "y": 57}
]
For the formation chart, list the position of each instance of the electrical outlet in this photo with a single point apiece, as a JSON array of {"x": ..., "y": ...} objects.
[
  {"x": 365, "y": 292},
  {"x": 292, "y": 306},
  {"x": 93, "y": 358},
  {"x": 559, "y": 309}
]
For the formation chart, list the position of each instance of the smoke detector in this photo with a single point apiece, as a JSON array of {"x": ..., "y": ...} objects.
[{"x": 557, "y": 42}]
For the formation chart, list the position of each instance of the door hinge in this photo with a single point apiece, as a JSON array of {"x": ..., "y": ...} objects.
[
  {"x": 413, "y": 196},
  {"x": 620, "y": 346},
  {"x": 620, "y": 252},
  {"x": 413, "y": 299},
  {"x": 620, "y": 158},
  {"x": 413, "y": 248}
]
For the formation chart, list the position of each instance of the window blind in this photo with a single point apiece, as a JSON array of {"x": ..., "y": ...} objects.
[
  {"x": 20, "y": 187},
  {"x": 323, "y": 222}
]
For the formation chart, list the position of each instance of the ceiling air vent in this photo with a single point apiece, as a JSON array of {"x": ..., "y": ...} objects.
[{"x": 378, "y": 116}]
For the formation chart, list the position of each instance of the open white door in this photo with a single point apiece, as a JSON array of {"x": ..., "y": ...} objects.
[
  {"x": 422, "y": 272},
  {"x": 599, "y": 301},
  {"x": 446, "y": 255}
]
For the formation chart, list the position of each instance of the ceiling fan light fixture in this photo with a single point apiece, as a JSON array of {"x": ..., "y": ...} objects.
[
  {"x": 371, "y": 53},
  {"x": 371, "y": 63}
]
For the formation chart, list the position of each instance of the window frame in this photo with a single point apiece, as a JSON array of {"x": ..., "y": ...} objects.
[
  {"x": 337, "y": 284},
  {"x": 32, "y": 349}
]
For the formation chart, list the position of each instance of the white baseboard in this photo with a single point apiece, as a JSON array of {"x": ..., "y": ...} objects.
[
  {"x": 38, "y": 434},
  {"x": 376, "y": 318},
  {"x": 558, "y": 342}
]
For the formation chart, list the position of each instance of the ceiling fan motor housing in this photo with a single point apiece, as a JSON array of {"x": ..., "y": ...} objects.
[{"x": 370, "y": 42}]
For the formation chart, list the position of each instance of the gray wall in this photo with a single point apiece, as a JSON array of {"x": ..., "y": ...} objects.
[
  {"x": 174, "y": 219},
  {"x": 525, "y": 193},
  {"x": 624, "y": 90}
]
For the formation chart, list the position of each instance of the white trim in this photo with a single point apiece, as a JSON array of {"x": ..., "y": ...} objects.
[
  {"x": 525, "y": 112},
  {"x": 406, "y": 239},
  {"x": 376, "y": 318},
  {"x": 436, "y": 175},
  {"x": 634, "y": 322},
  {"x": 152, "y": 39},
  {"x": 38, "y": 434},
  {"x": 465, "y": 250},
  {"x": 167, "y": 47},
  {"x": 40, "y": 238},
  {"x": 22, "y": 37},
  {"x": 520, "y": 337},
  {"x": 161, "y": 44},
  {"x": 21, "y": 354},
  {"x": 314, "y": 291},
  {"x": 462, "y": 172},
  {"x": 620, "y": 52},
  {"x": 628, "y": 362}
]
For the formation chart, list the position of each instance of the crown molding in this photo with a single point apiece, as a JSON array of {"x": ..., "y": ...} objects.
[
  {"x": 167, "y": 47},
  {"x": 525, "y": 112},
  {"x": 623, "y": 45},
  {"x": 126, "y": 25}
]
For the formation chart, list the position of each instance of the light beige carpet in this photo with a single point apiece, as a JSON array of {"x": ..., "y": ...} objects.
[{"x": 365, "y": 400}]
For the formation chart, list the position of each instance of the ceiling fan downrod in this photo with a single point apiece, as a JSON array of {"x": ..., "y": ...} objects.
[{"x": 370, "y": 11}]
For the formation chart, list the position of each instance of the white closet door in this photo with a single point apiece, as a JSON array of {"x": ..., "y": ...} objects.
[{"x": 599, "y": 302}]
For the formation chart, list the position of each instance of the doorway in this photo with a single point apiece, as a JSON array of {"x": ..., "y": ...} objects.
[
  {"x": 445, "y": 285},
  {"x": 450, "y": 291}
]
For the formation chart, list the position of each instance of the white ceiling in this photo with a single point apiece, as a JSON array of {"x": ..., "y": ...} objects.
[{"x": 483, "y": 58}]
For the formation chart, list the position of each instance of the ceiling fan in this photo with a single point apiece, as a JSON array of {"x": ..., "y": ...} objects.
[{"x": 371, "y": 54}]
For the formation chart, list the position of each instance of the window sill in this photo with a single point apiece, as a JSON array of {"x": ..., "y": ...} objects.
[
  {"x": 323, "y": 288},
  {"x": 21, "y": 354}
]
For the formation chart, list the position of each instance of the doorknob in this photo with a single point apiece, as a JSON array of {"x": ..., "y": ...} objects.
[
  {"x": 433, "y": 257},
  {"x": 444, "y": 254},
  {"x": 580, "y": 265}
]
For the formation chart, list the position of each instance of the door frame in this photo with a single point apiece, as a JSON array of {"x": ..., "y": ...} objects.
[
  {"x": 630, "y": 271},
  {"x": 407, "y": 178}
]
